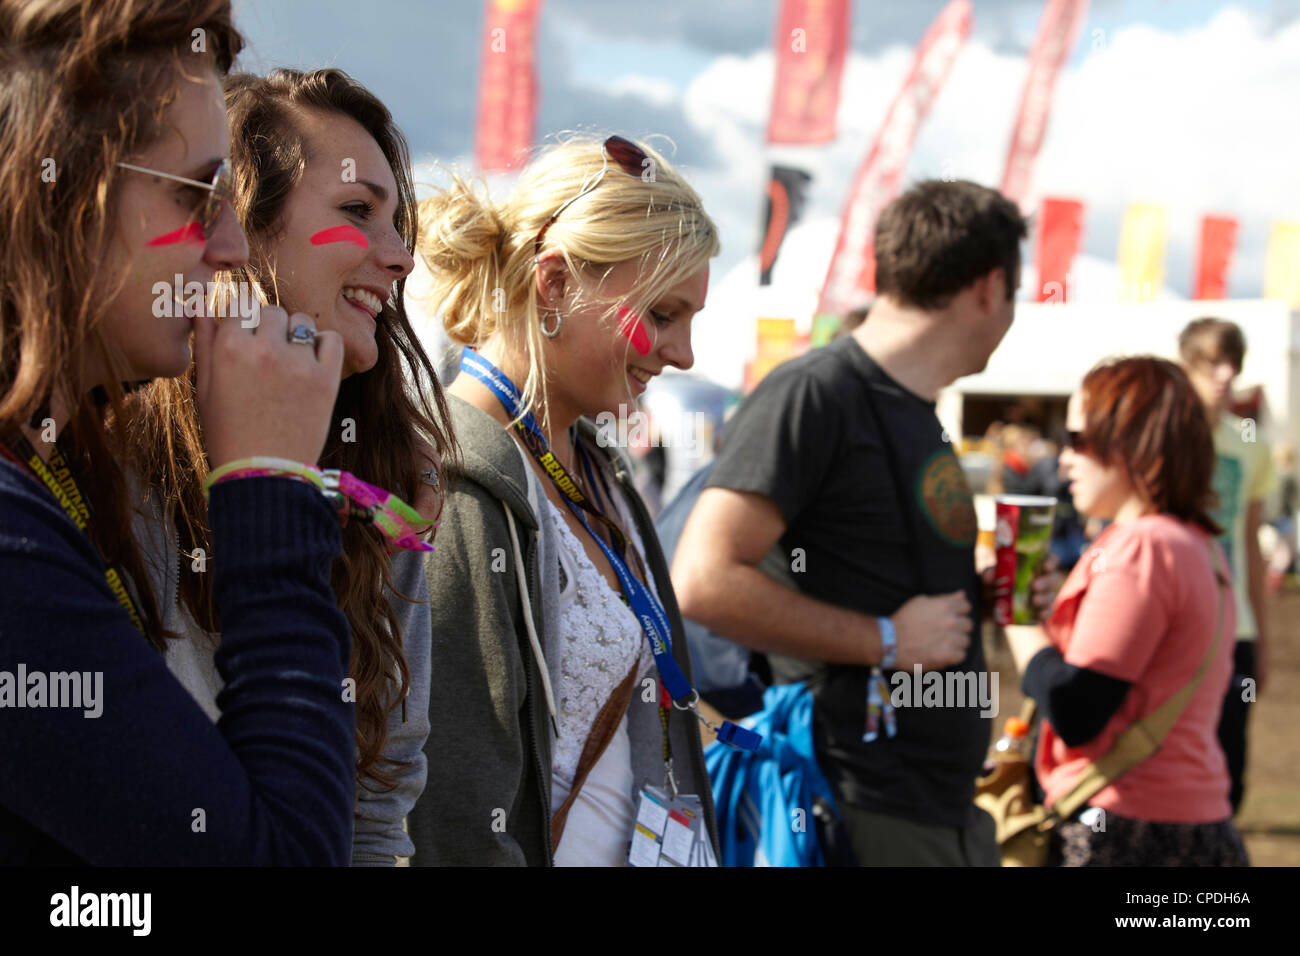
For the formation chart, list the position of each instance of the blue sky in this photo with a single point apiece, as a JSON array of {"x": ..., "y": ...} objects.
[{"x": 1190, "y": 103}]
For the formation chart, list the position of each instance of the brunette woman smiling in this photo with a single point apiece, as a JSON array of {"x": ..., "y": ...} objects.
[
  {"x": 138, "y": 194},
  {"x": 323, "y": 187}
]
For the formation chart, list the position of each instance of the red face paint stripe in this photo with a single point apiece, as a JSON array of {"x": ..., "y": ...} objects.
[
  {"x": 340, "y": 234},
  {"x": 632, "y": 329},
  {"x": 193, "y": 232}
]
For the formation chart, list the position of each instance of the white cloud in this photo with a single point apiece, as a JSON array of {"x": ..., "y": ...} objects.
[
  {"x": 1199, "y": 121},
  {"x": 652, "y": 89}
]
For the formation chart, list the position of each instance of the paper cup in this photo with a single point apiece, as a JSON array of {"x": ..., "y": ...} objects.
[{"x": 1022, "y": 537}]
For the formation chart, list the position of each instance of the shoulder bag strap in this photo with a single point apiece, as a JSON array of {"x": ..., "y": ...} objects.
[{"x": 1143, "y": 738}]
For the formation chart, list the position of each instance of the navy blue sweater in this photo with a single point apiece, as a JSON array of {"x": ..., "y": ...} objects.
[{"x": 151, "y": 780}]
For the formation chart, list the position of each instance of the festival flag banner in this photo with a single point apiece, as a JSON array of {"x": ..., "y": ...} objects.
[
  {"x": 787, "y": 191},
  {"x": 507, "y": 90},
  {"x": 1282, "y": 273},
  {"x": 1057, "y": 31},
  {"x": 1141, "y": 253},
  {"x": 812, "y": 38},
  {"x": 1060, "y": 225},
  {"x": 1218, "y": 234},
  {"x": 851, "y": 278},
  {"x": 778, "y": 341}
]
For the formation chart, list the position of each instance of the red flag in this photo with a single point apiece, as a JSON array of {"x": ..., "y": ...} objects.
[
  {"x": 812, "y": 37},
  {"x": 852, "y": 273},
  {"x": 507, "y": 90},
  {"x": 1218, "y": 235},
  {"x": 1056, "y": 35},
  {"x": 1059, "y": 227}
]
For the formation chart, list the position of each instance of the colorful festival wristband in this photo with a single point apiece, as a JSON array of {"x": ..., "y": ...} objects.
[
  {"x": 350, "y": 496},
  {"x": 878, "y": 706},
  {"x": 264, "y": 467}
]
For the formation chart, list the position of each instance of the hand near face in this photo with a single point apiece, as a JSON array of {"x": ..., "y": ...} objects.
[{"x": 260, "y": 394}]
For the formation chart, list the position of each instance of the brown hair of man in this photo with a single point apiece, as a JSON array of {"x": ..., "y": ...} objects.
[{"x": 939, "y": 237}]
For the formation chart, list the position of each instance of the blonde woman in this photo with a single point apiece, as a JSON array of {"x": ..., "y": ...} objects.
[{"x": 545, "y": 712}]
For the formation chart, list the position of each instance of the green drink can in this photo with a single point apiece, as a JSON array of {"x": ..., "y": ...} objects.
[{"x": 1022, "y": 536}]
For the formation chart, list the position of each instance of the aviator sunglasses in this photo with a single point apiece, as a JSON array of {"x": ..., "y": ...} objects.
[
  {"x": 631, "y": 160},
  {"x": 219, "y": 191}
]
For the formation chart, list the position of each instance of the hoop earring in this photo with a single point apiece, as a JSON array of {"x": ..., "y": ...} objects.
[{"x": 552, "y": 333}]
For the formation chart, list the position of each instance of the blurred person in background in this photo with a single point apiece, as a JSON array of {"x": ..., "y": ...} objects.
[
  {"x": 838, "y": 459},
  {"x": 1147, "y": 613},
  {"x": 1042, "y": 476},
  {"x": 1212, "y": 352},
  {"x": 1283, "y": 560}
]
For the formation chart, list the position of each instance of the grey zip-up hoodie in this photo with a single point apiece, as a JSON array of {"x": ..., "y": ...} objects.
[{"x": 493, "y": 579}]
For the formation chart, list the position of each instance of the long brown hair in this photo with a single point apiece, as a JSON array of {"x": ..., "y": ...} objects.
[
  {"x": 1143, "y": 414},
  {"x": 83, "y": 86},
  {"x": 391, "y": 404}
]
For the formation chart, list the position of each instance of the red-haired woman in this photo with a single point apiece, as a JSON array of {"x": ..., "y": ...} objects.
[{"x": 1133, "y": 624}]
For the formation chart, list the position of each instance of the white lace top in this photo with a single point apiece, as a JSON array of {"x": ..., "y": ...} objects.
[{"x": 602, "y": 640}]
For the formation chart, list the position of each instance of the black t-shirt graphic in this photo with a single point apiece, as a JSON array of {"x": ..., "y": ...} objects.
[{"x": 807, "y": 439}]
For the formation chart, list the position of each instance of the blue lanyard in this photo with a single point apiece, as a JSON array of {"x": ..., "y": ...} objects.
[{"x": 646, "y": 607}]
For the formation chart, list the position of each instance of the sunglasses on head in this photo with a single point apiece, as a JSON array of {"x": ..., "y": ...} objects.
[
  {"x": 627, "y": 155},
  {"x": 220, "y": 191}
]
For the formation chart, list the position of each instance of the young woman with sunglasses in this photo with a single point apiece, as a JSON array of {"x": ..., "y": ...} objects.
[
  {"x": 1145, "y": 615},
  {"x": 324, "y": 191},
  {"x": 106, "y": 759},
  {"x": 545, "y": 716}
]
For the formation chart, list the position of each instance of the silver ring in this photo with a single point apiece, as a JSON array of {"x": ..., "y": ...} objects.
[
  {"x": 430, "y": 477},
  {"x": 302, "y": 335}
]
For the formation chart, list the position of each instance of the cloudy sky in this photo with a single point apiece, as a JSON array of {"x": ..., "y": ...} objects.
[{"x": 1190, "y": 104}]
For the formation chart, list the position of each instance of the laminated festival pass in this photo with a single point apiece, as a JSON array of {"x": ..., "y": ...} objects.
[{"x": 669, "y": 831}]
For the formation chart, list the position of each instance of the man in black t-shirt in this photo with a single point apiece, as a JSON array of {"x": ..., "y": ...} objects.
[{"x": 838, "y": 458}]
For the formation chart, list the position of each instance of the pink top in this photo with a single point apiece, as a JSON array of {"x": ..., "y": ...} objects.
[{"x": 1141, "y": 606}]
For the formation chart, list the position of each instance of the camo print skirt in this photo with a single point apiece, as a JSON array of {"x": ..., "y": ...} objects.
[{"x": 1113, "y": 840}]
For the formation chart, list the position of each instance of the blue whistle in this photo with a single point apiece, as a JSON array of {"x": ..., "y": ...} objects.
[{"x": 733, "y": 735}]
